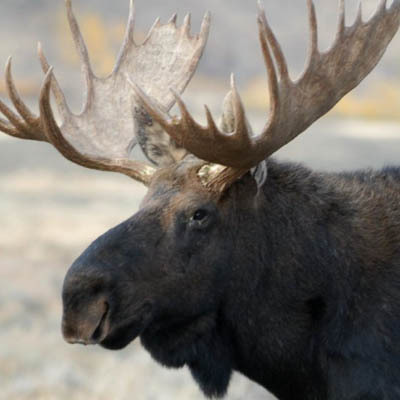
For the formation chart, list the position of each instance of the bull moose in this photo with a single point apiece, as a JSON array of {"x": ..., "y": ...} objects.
[{"x": 235, "y": 261}]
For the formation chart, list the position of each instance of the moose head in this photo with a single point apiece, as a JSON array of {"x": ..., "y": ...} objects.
[{"x": 197, "y": 271}]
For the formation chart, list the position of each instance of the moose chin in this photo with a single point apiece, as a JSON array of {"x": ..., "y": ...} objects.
[{"x": 234, "y": 261}]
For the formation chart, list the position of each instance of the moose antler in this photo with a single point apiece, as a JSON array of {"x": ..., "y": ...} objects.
[
  {"x": 294, "y": 106},
  {"x": 104, "y": 133}
]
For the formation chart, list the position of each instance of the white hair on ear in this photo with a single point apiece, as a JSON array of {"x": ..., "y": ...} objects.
[{"x": 260, "y": 173}]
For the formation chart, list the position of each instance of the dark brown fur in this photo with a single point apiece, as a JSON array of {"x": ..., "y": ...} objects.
[{"x": 295, "y": 284}]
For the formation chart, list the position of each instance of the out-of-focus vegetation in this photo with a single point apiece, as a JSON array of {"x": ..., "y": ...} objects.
[
  {"x": 26, "y": 86},
  {"x": 377, "y": 100},
  {"x": 380, "y": 100}
]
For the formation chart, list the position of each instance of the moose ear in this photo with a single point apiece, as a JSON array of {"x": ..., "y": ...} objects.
[
  {"x": 260, "y": 173},
  {"x": 156, "y": 144}
]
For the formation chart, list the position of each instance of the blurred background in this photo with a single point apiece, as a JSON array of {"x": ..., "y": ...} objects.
[{"x": 51, "y": 209}]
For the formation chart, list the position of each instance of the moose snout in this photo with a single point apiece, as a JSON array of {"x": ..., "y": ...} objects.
[
  {"x": 87, "y": 323},
  {"x": 91, "y": 303},
  {"x": 86, "y": 306}
]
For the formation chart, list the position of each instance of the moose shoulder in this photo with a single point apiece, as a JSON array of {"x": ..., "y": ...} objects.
[{"x": 234, "y": 262}]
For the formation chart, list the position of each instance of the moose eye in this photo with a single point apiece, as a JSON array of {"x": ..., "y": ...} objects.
[
  {"x": 201, "y": 219},
  {"x": 199, "y": 215}
]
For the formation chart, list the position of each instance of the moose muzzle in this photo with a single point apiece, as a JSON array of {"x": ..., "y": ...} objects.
[{"x": 86, "y": 324}]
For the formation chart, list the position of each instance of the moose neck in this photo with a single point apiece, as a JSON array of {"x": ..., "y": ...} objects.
[
  {"x": 287, "y": 279},
  {"x": 289, "y": 270}
]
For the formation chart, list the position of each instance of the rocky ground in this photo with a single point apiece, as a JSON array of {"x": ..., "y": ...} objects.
[{"x": 50, "y": 210}]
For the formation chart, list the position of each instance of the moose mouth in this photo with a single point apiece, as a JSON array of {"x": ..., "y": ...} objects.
[
  {"x": 101, "y": 330},
  {"x": 108, "y": 331},
  {"x": 87, "y": 327},
  {"x": 120, "y": 336}
]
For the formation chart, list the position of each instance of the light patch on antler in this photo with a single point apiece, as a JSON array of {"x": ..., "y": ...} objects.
[{"x": 208, "y": 172}]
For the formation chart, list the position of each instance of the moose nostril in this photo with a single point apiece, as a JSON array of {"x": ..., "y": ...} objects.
[
  {"x": 88, "y": 324},
  {"x": 68, "y": 333},
  {"x": 101, "y": 330}
]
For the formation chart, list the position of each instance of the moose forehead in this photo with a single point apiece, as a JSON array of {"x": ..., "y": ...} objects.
[{"x": 177, "y": 189}]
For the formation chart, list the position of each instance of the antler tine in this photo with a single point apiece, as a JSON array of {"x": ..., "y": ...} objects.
[
  {"x": 173, "y": 19},
  {"x": 27, "y": 127},
  {"x": 210, "y": 120},
  {"x": 182, "y": 129},
  {"x": 9, "y": 129},
  {"x": 161, "y": 117},
  {"x": 187, "y": 22},
  {"x": 53, "y": 132},
  {"x": 265, "y": 34},
  {"x": 11, "y": 116},
  {"x": 20, "y": 106},
  {"x": 187, "y": 119},
  {"x": 14, "y": 120},
  {"x": 242, "y": 130},
  {"x": 359, "y": 13},
  {"x": 341, "y": 19},
  {"x": 276, "y": 47},
  {"x": 130, "y": 29},
  {"x": 59, "y": 96},
  {"x": 312, "y": 17},
  {"x": 128, "y": 39},
  {"x": 178, "y": 129},
  {"x": 156, "y": 24},
  {"x": 81, "y": 49},
  {"x": 205, "y": 27}
]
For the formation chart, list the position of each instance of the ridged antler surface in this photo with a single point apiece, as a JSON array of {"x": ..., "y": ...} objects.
[{"x": 103, "y": 134}]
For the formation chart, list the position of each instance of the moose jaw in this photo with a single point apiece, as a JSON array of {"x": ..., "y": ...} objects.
[{"x": 219, "y": 270}]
